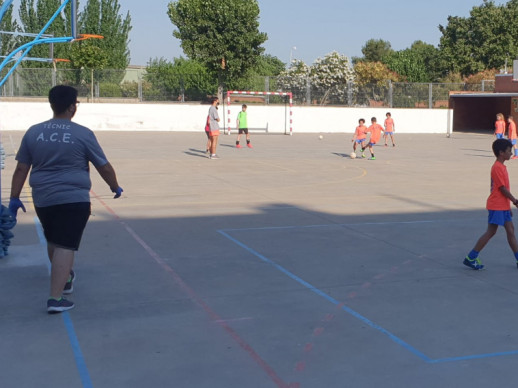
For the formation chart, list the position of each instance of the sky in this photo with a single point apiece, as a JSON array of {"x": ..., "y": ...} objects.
[{"x": 305, "y": 30}]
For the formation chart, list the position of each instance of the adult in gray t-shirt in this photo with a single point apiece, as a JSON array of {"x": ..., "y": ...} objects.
[
  {"x": 214, "y": 127},
  {"x": 59, "y": 152}
]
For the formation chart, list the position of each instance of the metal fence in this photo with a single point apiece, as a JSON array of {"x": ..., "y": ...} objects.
[{"x": 135, "y": 85}]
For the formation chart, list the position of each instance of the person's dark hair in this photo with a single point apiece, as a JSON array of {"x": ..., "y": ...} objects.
[
  {"x": 213, "y": 99},
  {"x": 374, "y": 119},
  {"x": 361, "y": 121},
  {"x": 244, "y": 106},
  {"x": 61, "y": 97},
  {"x": 500, "y": 145}
]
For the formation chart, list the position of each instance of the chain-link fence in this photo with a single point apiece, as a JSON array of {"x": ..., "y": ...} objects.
[{"x": 135, "y": 85}]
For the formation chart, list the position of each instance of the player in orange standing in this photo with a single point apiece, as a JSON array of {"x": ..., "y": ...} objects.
[
  {"x": 389, "y": 129},
  {"x": 500, "y": 126},
  {"x": 359, "y": 137},
  {"x": 512, "y": 135},
  {"x": 375, "y": 130}
]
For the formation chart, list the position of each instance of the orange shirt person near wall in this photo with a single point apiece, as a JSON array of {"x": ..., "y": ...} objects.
[
  {"x": 513, "y": 135},
  {"x": 500, "y": 126}
]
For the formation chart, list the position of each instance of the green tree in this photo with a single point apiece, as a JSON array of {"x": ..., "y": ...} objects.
[
  {"x": 8, "y": 42},
  {"x": 408, "y": 64},
  {"x": 102, "y": 17},
  {"x": 331, "y": 76},
  {"x": 223, "y": 35},
  {"x": 34, "y": 14},
  {"x": 375, "y": 50},
  {"x": 484, "y": 40},
  {"x": 84, "y": 55},
  {"x": 182, "y": 77},
  {"x": 372, "y": 79}
]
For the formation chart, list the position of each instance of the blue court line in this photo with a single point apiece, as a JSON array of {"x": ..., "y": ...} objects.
[
  {"x": 67, "y": 320},
  {"x": 348, "y": 224},
  {"x": 350, "y": 311}
]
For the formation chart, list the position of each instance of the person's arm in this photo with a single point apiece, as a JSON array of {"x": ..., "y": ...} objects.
[
  {"x": 19, "y": 177},
  {"x": 108, "y": 174},
  {"x": 506, "y": 193}
]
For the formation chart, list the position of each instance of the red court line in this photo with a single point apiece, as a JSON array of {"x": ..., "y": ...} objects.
[{"x": 200, "y": 302}]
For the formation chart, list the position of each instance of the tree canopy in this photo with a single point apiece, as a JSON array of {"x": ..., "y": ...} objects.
[{"x": 221, "y": 34}]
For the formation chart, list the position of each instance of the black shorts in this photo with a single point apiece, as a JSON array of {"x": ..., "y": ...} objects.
[
  {"x": 63, "y": 225},
  {"x": 243, "y": 130},
  {"x": 208, "y": 134}
]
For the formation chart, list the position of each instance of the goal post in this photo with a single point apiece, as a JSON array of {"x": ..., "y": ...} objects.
[{"x": 288, "y": 113}]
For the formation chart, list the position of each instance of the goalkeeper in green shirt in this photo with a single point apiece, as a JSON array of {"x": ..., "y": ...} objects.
[{"x": 242, "y": 127}]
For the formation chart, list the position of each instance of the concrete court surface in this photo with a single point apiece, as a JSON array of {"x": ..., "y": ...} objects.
[{"x": 285, "y": 265}]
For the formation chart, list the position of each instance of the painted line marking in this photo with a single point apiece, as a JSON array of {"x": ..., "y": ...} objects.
[
  {"x": 69, "y": 325},
  {"x": 355, "y": 314},
  {"x": 199, "y": 301}
]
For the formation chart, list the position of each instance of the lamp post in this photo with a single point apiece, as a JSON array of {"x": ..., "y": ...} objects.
[{"x": 291, "y": 54}]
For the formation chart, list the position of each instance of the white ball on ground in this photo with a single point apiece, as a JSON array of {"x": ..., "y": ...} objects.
[
  {"x": 352, "y": 155},
  {"x": 321, "y": 137}
]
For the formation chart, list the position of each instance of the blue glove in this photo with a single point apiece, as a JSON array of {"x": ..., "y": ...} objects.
[
  {"x": 14, "y": 205},
  {"x": 118, "y": 192}
]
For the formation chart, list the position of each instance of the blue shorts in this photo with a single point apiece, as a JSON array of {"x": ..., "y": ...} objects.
[
  {"x": 513, "y": 141},
  {"x": 388, "y": 133},
  {"x": 499, "y": 135},
  {"x": 499, "y": 217},
  {"x": 360, "y": 141},
  {"x": 371, "y": 144}
]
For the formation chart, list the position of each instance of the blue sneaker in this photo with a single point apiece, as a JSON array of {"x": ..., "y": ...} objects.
[
  {"x": 474, "y": 264},
  {"x": 69, "y": 285},
  {"x": 58, "y": 306}
]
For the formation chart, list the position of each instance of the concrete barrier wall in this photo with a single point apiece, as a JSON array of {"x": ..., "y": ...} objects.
[{"x": 191, "y": 117}]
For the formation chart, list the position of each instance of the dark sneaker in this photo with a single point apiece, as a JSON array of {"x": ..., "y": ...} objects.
[
  {"x": 474, "y": 264},
  {"x": 69, "y": 286},
  {"x": 58, "y": 306}
]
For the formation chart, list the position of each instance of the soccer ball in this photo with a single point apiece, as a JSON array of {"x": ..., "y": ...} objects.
[
  {"x": 321, "y": 137},
  {"x": 353, "y": 155}
]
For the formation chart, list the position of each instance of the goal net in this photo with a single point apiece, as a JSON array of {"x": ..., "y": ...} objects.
[{"x": 262, "y": 115}]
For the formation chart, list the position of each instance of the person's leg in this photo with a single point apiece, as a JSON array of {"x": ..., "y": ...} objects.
[
  {"x": 50, "y": 251},
  {"x": 385, "y": 137},
  {"x": 484, "y": 239},
  {"x": 214, "y": 145},
  {"x": 209, "y": 144},
  {"x": 371, "y": 150},
  {"x": 62, "y": 262},
  {"x": 238, "y": 138},
  {"x": 392, "y": 138},
  {"x": 511, "y": 238}
]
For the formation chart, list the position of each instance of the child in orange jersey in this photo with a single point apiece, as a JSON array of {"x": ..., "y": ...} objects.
[
  {"x": 500, "y": 126},
  {"x": 360, "y": 135},
  {"x": 512, "y": 135},
  {"x": 498, "y": 206},
  {"x": 389, "y": 129},
  {"x": 375, "y": 130}
]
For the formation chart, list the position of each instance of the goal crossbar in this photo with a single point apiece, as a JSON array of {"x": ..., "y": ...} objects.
[{"x": 289, "y": 95}]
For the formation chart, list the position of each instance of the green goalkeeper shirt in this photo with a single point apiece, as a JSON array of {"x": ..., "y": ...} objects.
[{"x": 243, "y": 122}]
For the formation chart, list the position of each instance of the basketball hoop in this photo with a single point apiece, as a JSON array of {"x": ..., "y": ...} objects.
[
  {"x": 88, "y": 36},
  {"x": 56, "y": 60}
]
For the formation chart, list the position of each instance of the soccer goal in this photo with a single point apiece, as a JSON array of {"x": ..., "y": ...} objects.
[{"x": 265, "y": 117}]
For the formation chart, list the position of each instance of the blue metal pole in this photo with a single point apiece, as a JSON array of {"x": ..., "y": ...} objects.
[{"x": 3, "y": 10}]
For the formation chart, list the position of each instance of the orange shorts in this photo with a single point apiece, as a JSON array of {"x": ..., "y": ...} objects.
[{"x": 214, "y": 133}]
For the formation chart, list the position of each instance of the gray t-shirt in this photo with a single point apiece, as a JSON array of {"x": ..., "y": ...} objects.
[
  {"x": 213, "y": 115},
  {"x": 59, "y": 152}
]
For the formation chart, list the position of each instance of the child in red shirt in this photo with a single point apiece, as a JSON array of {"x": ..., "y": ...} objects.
[
  {"x": 389, "y": 129},
  {"x": 500, "y": 126},
  {"x": 512, "y": 135},
  {"x": 360, "y": 135},
  {"x": 498, "y": 205},
  {"x": 375, "y": 130}
]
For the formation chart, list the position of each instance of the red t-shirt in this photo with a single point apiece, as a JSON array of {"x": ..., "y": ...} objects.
[
  {"x": 512, "y": 130},
  {"x": 375, "y": 130},
  {"x": 499, "y": 126},
  {"x": 499, "y": 178},
  {"x": 389, "y": 125},
  {"x": 361, "y": 132}
]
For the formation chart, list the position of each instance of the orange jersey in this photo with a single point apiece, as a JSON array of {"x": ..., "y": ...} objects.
[
  {"x": 389, "y": 125},
  {"x": 512, "y": 131},
  {"x": 361, "y": 132},
  {"x": 499, "y": 178},
  {"x": 500, "y": 126},
  {"x": 375, "y": 130}
]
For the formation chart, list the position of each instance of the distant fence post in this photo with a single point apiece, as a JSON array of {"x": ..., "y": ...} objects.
[
  {"x": 308, "y": 91},
  {"x": 390, "y": 94},
  {"x": 139, "y": 91},
  {"x": 350, "y": 93},
  {"x": 430, "y": 96}
]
